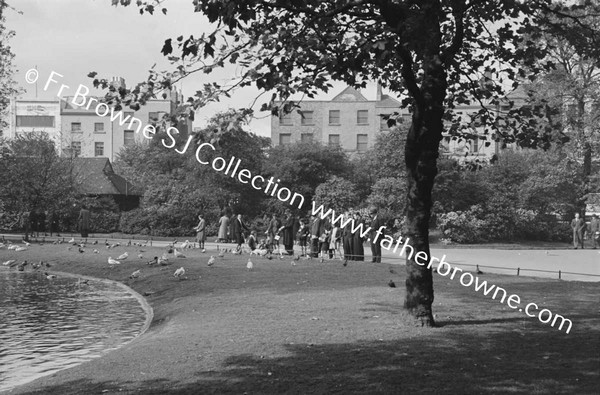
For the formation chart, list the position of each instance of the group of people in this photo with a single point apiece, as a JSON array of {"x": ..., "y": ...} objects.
[
  {"x": 315, "y": 236},
  {"x": 580, "y": 228},
  {"x": 38, "y": 221}
]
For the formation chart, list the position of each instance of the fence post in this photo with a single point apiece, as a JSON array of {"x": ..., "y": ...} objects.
[
  {"x": 559, "y": 275},
  {"x": 518, "y": 270}
]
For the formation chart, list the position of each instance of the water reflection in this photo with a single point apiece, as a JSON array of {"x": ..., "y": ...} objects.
[{"x": 49, "y": 325}]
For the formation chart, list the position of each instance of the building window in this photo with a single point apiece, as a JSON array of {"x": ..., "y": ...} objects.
[
  {"x": 35, "y": 121},
  {"x": 334, "y": 117},
  {"x": 75, "y": 126},
  {"x": 307, "y": 118},
  {"x": 285, "y": 139},
  {"x": 475, "y": 145},
  {"x": 128, "y": 138},
  {"x": 285, "y": 118},
  {"x": 362, "y": 141},
  {"x": 128, "y": 114},
  {"x": 306, "y": 137},
  {"x": 76, "y": 148},
  {"x": 99, "y": 127},
  {"x": 334, "y": 140},
  {"x": 362, "y": 117},
  {"x": 99, "y": 148}
]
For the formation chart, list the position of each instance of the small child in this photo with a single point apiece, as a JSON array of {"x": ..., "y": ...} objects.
[
  {"x": 252, "y": 240},
  {"x": 303, "y": 233}
]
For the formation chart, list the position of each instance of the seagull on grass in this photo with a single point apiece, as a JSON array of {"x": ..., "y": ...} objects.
[
  {"x": 211, "y": 261},
  {"x": 391, "y": 284},
  {"x": 153, "y": 261},
  {"x": 50, "y": 276},
  {"x": 178, "y": 254},
  {"x": 135, "y": 274},
  {"x": 179, "y": 273},
  {"x": 9, "y": 262},
  {"x": 123, "y": 256},
  {"x": 249, "y": 265},
  {"x": 112, "y": 261}
]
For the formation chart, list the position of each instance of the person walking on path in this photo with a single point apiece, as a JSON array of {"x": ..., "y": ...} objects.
[
  {"x": 578, "y": 226},
  {"x": 201, "y": 231},
  {"x": 595, "y": 231},
  {"x": 376, "y": 223},
  {"x": 223, "y": 228},
  {"x": 84, "y": 221}
]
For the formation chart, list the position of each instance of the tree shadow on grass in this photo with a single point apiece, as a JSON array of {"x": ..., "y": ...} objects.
[{"x": 490, "y": 360}]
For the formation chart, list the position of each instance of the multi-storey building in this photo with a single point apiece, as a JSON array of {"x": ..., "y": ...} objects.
[
  {"x": 26, "y": 116},
  {"x": 349, "y": 120},
  {"x": 78, "y": 130}
]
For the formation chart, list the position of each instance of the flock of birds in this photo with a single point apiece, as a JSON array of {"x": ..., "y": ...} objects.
[{"x": 174, "y": 249}]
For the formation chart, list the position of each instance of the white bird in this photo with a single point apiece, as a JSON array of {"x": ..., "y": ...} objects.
[
  {"x": 179, "y": 273},
  {"x": 221, "y": 254},
  {"x": 211, "y": 261},
  {"x": 140, "y": 256},
  {"x": 204, "y": 250},
  {"x": 26, "y": 243},
  {"x": 178, "y": 254},
  {"x": 7, "y": 263},
  {"x": 50, "y": 276},
  {"x": 96, "y": 251},
  {"x": 165, "y": 257},
  {"x": 135, "y": 274},
  {"x": 21, "y": 249},
  {"x": 113, "y": 261},
  {"x": 12, "y": 247},
  {"x": 123, "y": 256},
  {"x": 249, "y": 265},
  {"x": 185, "y": 244},
  {"x": 72, "y": 240}
]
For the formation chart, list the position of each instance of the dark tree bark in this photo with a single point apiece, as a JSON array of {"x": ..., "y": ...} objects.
[{"x": 421, "y": 154}]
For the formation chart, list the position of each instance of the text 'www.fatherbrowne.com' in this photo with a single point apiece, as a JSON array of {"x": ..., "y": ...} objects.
[{"x": 444, "y": 268}]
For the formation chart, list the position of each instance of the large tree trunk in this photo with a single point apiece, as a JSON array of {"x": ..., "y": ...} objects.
[{"x": 422, "y": 152}]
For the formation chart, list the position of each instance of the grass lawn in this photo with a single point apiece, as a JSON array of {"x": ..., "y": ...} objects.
[{"x": 324, "y": 328}]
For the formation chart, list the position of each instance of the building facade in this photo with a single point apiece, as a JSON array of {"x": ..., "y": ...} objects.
[
  {"x": 349, "y": 120},
  {"x": 79, "y": 131}
]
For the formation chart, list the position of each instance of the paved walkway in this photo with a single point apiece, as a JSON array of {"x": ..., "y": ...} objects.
[{"x": 580, "y": 265}]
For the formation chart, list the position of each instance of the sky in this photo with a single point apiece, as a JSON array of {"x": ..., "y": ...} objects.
[{"x": 75, "y": 37}]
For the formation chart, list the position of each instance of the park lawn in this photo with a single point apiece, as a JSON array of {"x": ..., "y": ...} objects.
[{"x": 326, "y": 328}]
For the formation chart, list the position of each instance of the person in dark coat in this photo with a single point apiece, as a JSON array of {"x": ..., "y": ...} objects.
[
  {"x": 288, "y": 233},
  {"x": 84, "y": 221},
  {"x": 26, "y": 224},
  {"x": 272, "y": 232},
  {"x": 357, "y": 245},
  {"x": 238, "y": 227},
  {"x": 376, "y": 223},
  {"x": 316, "y": 229},
  {"x": 348, "y": 241},
  {"x": 296, "y": 227}
]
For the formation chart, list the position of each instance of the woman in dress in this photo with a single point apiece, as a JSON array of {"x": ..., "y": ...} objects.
[
  {"x": 223, "y": 228},
  {"x": 348, "y": 240}
]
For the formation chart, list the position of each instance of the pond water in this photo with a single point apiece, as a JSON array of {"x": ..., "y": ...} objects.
[{"x": 49, "y": 325}]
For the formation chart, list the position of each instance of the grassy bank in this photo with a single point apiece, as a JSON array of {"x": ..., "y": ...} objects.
[{"x": 326, "y": 328}]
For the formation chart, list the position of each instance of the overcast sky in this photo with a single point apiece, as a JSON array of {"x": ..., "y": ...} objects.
[{"x": 74, "y": 37}]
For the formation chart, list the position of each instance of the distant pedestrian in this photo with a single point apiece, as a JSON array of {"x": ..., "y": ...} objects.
[
  {"x": 252, "y": 241},
  {"x": 238, "y": 227},
  {"x": 348, "y": 240},
  {"x": 316, "y": 229},
  {"x": 287, "y": 230},
  {"x": 273, "y": 233},
  {"x": 334, "y": 241},
  {"x": 303, "y": 234},
  {"x": 223, "y": 228},
  {"x": 200, "y": 231},
  {"x": 595, "y": 231},
  {"x": 578, "y": 226},
  {"x": 376, "y": 223},
  {"x": 358, "y": 243},
  {"x": 296, "y": 227},
  {"x": 84, "y": 221},
  {"x": 26, "y": 224}
]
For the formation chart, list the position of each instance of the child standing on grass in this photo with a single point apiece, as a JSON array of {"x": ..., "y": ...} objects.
[
  {"x": 303, "y": 233},
  {"x": 252, "y": 240}
]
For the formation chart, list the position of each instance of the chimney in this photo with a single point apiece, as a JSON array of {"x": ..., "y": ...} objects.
[
  {"x": 379, "y": 93},
  {"x": 117, "y": 82}
]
